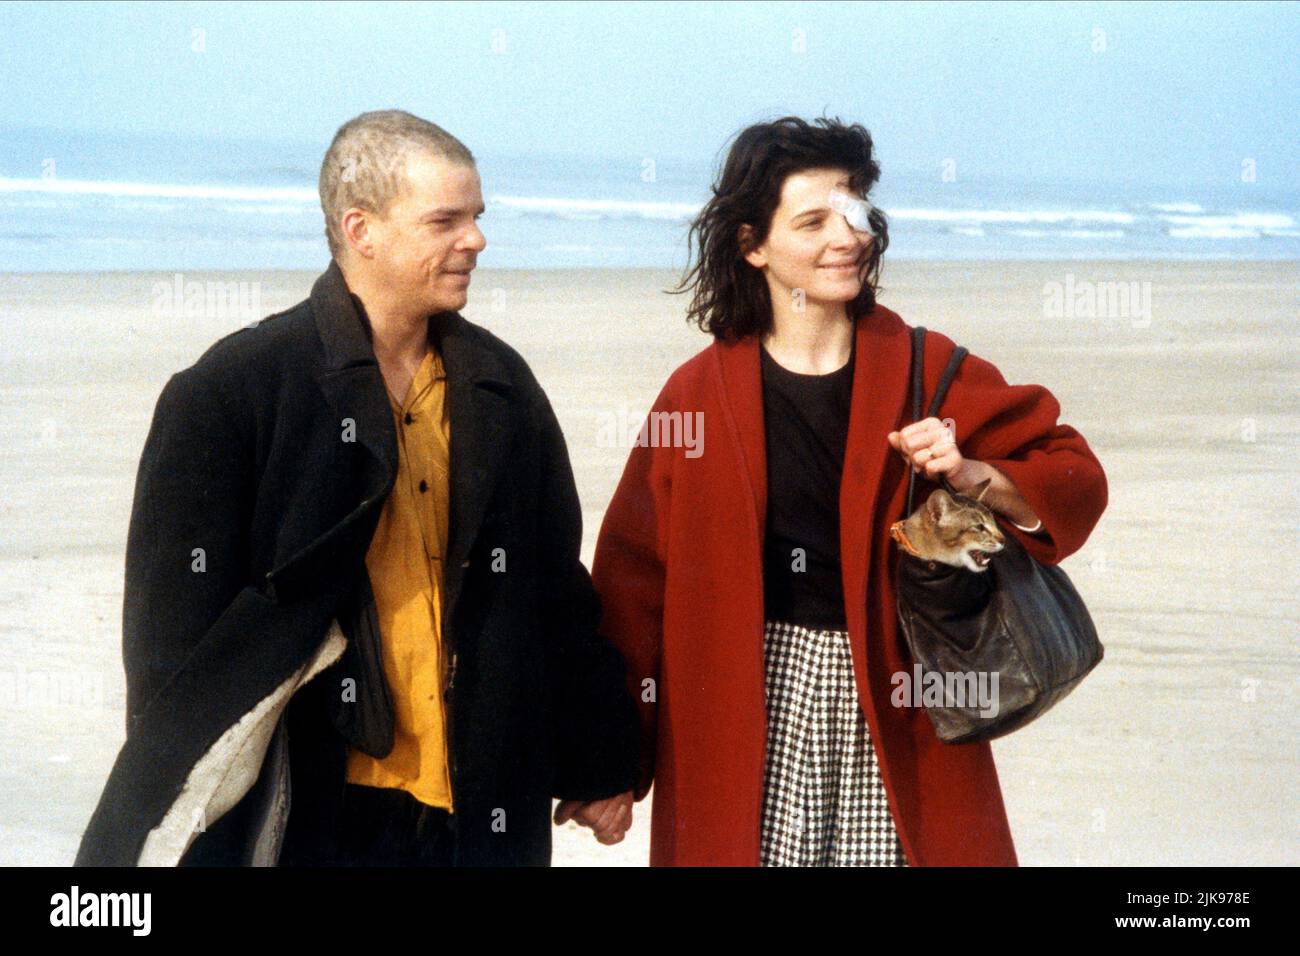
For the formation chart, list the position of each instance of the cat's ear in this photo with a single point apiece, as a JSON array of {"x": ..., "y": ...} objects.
[
  {"x": 939, "y": 504},
  {"x": 978, "y": 491}
]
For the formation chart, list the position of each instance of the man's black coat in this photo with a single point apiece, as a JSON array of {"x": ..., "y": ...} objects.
[{"x": 258, "y": 492}]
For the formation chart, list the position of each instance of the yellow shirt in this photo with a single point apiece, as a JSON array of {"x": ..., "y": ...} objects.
[{"x": 405, "y": 566}]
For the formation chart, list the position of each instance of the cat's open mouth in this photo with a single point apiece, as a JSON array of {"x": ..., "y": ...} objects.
[{"x": 981, "y": 558}]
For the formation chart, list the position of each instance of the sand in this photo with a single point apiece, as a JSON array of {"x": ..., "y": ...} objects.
[{"x": 1178, "y": 750}]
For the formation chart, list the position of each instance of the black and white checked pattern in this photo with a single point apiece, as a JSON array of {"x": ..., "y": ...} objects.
[{"x": 824, "y": 802}]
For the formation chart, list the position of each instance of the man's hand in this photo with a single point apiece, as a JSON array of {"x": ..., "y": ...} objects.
[{"x": 610, "y": 818}]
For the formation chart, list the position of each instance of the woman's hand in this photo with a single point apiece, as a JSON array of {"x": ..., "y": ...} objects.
[
  {"x": 609, "y": 819},
  {"x": 928, "y": 448}
]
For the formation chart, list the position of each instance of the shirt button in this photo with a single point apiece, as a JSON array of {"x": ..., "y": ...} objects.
[
  {"x": 424, "y": 485},
  {"x": 409, "y": 419}
]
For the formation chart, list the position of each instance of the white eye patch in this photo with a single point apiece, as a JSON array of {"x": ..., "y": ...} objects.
[{"x": 856, "y": 211}]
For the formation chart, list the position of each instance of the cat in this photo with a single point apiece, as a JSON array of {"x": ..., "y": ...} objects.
[{"x": 960, "y": 531}]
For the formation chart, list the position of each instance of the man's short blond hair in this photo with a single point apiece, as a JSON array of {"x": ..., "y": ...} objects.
[{"x": 365, "y": 165}]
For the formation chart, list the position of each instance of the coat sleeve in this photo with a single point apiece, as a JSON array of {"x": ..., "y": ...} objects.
[
  {"x": 629, "y": 571},
  {"x": 1015, "y": 429},
  {"x": 187, "y": 542},
  {"x": 595, "y": 719}
]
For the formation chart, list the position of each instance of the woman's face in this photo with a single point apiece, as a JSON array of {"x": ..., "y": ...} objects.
[{"x": 811, "y": 253}]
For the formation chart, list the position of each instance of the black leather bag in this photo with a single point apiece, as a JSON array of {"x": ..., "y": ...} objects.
[{"x": 1020, "y": 620}]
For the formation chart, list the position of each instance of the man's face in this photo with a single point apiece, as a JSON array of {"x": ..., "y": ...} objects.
[
  {"x": 809, "y": 246},
  {"x": 428, "y": 240}
]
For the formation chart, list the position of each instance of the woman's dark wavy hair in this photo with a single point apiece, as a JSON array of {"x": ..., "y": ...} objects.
[{"x": 731, "y": 298}]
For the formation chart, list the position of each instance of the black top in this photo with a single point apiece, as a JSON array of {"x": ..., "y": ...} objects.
[{"x": 806, "y": 424}]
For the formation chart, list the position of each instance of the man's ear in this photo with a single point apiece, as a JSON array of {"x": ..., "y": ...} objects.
[
  {"x": 756, "y": 257},
  {"x": 355, "y": 226}
]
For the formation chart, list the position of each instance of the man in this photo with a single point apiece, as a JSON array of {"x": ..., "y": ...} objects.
[{"x": 356, "y": 629}]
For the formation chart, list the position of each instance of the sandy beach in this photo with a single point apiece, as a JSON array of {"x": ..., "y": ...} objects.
[{"x": 1179, "y": 750}]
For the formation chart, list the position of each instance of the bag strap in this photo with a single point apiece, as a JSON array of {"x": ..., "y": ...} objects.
[{"x": 917, "y": 388}]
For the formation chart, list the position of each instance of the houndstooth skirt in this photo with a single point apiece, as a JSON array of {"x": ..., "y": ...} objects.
[{"x": 824, "y": 801}]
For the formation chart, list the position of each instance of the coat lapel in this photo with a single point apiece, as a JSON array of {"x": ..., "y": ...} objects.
[
  {"x": 350, "y": 377},
  {"x": 741, "y": 389},
  {"x": 879, "y": 392},
  {"x": 350, "y": 380},
  {"x": 357, "y": 393},
  {"x": 479, "y": 400}
]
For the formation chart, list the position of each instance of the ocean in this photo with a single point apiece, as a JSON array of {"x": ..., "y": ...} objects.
[{"x": 77, "y": 201}]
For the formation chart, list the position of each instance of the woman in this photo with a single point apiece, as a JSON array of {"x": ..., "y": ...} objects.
[{"x": 750, "y": 586}]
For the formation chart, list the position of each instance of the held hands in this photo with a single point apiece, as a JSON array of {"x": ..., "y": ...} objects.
[{"x": 609, "y": 819}]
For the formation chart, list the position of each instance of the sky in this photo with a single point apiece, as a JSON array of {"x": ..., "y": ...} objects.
[{"x": 1166, "y": 92}]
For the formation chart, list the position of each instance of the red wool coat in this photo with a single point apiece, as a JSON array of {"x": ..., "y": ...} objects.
[{"x": 679, "y": 568}]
